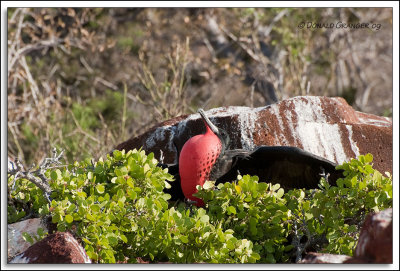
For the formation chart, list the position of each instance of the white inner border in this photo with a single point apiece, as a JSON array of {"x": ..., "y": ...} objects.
[{"x": 394, "y": 5}]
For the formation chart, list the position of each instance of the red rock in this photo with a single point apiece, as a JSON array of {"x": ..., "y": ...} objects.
[
  {"x": 324, "y": 126},
  {"x": 313, "y": 257},
  {"x": 375, "y": 244},
  {"x": 60, "y": 247}
]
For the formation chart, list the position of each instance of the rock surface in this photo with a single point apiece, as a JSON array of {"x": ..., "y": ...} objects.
[
  {"x": 16, "y": 244},
  {"x": 314, "y": 257},
  {"x": 375, "y": 244},
  {"x": 60, "y": 247},
  {"x": 327, "y": 127}
]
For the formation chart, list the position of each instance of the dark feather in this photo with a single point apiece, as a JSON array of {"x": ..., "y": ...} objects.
[{"x": 289, "y": 166}]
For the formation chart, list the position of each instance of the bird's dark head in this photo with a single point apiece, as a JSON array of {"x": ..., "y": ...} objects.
[{"x": 221, "y": 133}]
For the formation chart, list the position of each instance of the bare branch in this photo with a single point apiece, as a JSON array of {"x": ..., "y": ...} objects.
[
  {"x": 241, "y": 44},
  {"x": 35, "y": 176},
  {"x": 13, "y": 58}
]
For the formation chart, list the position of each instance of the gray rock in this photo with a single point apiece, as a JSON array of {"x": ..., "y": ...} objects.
[{"x": 16, "y": 244}]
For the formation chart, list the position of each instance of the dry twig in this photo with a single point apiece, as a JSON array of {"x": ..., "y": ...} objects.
[{"x": 37, "y": 177}]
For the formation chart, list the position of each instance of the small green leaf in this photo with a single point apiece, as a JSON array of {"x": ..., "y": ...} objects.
[
  {"x": 69, "y": 219},
  {"x": 368, "y": 158},
  {"x": 100, "y": 188},
  {"x": 26, "y": 236},
  {"x": 117, "y": 155},
  {"x": 98, "y": 169},
  {"x": 57, "y": 218},
  {"x": 130, "y": 183},
  {"x": 146, "y": 168},
  {"x": 90, "y": 217},
  {"x": 54, "y": 175},
  {"x": 95, "y": 208},
  {"x": 82, "y": 194},
  {"x": 231, "y": 210},
  {"x": 280, "y": 193},
  {"x": 71, "y": 208},
  {"x": 166, "y": 196},
  {"x": 204, "y": 218},
  {"x": 275, "y": 187},
  {"x": 184, "y": 239},
  {"x": 112, "y": 240},
  {"x": 123, "y": 238},
  {"x": 132, "y": 194}
]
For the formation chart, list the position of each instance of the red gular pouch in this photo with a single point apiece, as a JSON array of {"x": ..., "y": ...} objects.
[{"x": 196, "y": 160}]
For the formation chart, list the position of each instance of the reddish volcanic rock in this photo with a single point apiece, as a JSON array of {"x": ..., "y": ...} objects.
[
  {"x": 375, "y": 244},
  {"x": 60, "y": 247},
  {"x": 314, "y": 257},
  {"x": 327, "y": 127}
]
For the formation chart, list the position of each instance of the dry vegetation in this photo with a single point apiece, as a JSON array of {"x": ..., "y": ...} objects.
[{"x": 85, "y": 80}]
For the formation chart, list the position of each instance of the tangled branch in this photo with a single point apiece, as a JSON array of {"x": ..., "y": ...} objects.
[{"x": 35, "y": 176}]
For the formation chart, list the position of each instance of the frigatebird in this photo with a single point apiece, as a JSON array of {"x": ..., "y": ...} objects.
[{"x": 207, "y": 157}]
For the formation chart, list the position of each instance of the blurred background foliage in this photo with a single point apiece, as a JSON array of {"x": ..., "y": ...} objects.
[{"x": 86, "y": 79}]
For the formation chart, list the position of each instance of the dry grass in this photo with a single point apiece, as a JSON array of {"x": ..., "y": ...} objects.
[{"x": 87, "y": 79}]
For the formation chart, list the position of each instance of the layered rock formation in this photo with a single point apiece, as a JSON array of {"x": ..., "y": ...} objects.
[{"x": 327, "y": 127}]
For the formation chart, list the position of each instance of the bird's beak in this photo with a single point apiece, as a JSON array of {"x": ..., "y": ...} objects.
[{"x": 209, "y": 123}]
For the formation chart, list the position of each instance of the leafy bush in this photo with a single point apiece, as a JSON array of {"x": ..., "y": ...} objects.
[
  {"x": 329, "y": 218},
  {"x": 253, "y": 210},
  {"x": 117, "y": 208},
  {"x": 24, "y": 199}
]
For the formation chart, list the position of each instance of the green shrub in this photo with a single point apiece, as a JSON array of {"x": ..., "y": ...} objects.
[
  {"x": 24, "y": 199},
  {"x": 253, "y": 210},
  {"x": 117, "y": 208},
  {"x": 329, "y": 217}
]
